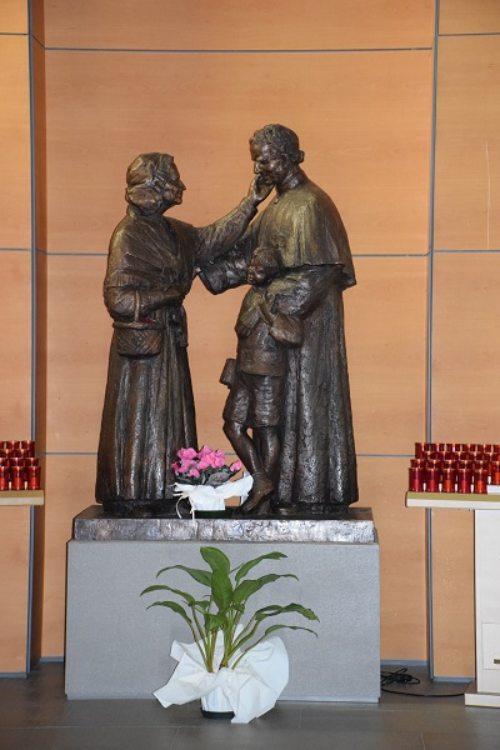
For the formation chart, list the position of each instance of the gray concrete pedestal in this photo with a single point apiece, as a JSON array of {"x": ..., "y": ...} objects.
[{"x": 117, "y": 649}]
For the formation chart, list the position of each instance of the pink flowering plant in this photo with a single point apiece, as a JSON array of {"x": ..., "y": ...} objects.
[{"x": 206, "y": 466}]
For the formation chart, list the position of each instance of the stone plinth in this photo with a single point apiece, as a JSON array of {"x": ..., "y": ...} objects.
[
  {"x": 117, "y": 649},
  {"x": 352, "y": 527}
]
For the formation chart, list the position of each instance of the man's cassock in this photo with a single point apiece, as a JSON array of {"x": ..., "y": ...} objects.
[{"x": 317, "y": 468}]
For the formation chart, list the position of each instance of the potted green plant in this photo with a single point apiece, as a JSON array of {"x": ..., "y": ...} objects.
[{"x": 233, "y": 665}]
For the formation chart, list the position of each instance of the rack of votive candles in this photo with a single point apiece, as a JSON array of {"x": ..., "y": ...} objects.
[
  {"x": 19, "y": 468},
  {"x": 465, "y": 468}
]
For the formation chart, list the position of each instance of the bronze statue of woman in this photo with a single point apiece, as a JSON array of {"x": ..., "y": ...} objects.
[{"x": 148, "y": 407}]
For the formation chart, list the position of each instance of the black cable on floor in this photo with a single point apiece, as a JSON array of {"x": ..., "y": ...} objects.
[{"x": 401, "y": 676}]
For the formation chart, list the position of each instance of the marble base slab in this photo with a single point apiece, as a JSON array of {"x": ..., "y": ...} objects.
[
  {"x": 117, "y": 649},
  {"x": 352, "y": 526}
]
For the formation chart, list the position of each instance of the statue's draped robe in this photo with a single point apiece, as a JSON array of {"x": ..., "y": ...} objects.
[
  {"x": 148, "y": 408},
  {"x": 317, "y": 467}
]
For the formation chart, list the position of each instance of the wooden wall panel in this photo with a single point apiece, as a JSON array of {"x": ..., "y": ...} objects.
[
  {"x": 385, "y": 329},
  {"x": 231, "y": 25},
  {"x": 468, "y": 144},
  {"x": 41, "y": 352},
  {"x": 465, "y": 368},
  {"x": 365, "y": 123},
  {"x": 15, "y": 362},
  {"x": 69, "y": 490},
  {"x": 14, "y": 549},
  {"x": 382, "y": 484},
  {"x": 466, "y": 362},
  {"x": 14, "y": 17},
  {"x": 104, "y": 109},
  {"x": 453, "y": 593},
  {"x": 466, "y": 17},
  {"x": 79, "y": 336},
  {"x": 15, "y": 229},
  {"x": 40, "y": 241}
]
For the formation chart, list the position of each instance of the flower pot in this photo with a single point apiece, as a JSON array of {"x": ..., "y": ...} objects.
[
  {"x": 221, "y": 715},
  {"x": 212, "y": 513},
  {"x": 214, "y": 705},
  {"x": 251, "y": 689},
  {"x": 204, "y": 498}
]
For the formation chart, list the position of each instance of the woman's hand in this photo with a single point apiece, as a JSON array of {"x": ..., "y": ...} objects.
[{"x": 258, "y": 190}]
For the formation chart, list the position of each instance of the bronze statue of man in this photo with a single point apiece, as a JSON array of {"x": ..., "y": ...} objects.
[
  {"x": 303, "y": 461},
  {"x": 148, "y": 410}
]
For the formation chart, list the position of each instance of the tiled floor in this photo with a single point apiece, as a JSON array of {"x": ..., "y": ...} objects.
[{"x": 35, "y": 715}]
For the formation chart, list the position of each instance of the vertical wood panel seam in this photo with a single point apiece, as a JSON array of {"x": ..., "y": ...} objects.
[
  {"x": 430, "y": 301},
  {"x": 31, "y": 561}
]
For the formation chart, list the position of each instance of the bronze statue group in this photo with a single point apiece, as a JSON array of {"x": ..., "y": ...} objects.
[{"x": 288, "y": 412}]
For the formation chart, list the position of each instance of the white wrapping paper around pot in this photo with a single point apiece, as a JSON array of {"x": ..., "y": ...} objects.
[
  {"x": 249, "y": 691},
  {"x": 205, "y": 497}
]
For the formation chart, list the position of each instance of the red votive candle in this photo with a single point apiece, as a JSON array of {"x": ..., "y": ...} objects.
[
  {"x": 435, "y": 463},
  {"x": 495, "y": 472},
  {"x": 34, "y": 476},
  {"x": 17, "y": 478},
  {"x": 4, "y": 477},
  {"x": 430, "y": 455},
  {"x": 417, "y": 478},
  {"x": 481, "y": 463},
  {"x": 418, "y": 462},
  {"x": 464, "y": 480},
  {"x": 432, "y": 484},
  {"x": 465, "y": 456},
  {"x": 480, "y": 481},
  {"x": 29, "y": 446},
  {"x": 449, "y": 479},
  {"x": 419, "y": 449}
]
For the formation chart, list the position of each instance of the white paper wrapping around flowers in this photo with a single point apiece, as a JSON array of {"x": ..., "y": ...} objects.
[
  {"x": 205, "y": 497},
  {"x": 249, "y": 691}
]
